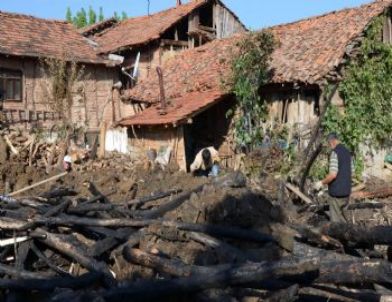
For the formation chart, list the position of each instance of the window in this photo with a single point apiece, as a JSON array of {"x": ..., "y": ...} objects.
[{"x": 10, "y": 84}]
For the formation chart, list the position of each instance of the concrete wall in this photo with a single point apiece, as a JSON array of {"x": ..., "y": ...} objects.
[{"x": 92, "y": 96}]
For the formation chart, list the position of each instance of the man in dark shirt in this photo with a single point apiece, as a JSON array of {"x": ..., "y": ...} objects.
[{"x": 338, "y": 178}]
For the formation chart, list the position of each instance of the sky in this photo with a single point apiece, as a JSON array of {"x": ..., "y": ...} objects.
[{"x": 255, "y": 14}]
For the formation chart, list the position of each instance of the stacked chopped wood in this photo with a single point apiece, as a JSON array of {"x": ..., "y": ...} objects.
[
  {"x": 36, "y": 150},
  {"x": 218, "y": 241}
]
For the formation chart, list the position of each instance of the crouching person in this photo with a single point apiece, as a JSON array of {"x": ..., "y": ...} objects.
[{"x": 206, "y": 163}]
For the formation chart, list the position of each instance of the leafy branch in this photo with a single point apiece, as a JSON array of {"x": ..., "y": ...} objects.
[
  {"x": 249, "y": 72},
  {"x": 367, "y": 92}
]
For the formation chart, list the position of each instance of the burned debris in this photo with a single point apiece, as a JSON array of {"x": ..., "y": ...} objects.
[{"x": 95, "y": 200}]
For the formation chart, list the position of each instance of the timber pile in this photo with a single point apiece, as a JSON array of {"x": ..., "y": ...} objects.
[
  {"x": 34, "y": 150},
  {"x": 219, "y": 241},
  {"x": 118, "y": 161}
]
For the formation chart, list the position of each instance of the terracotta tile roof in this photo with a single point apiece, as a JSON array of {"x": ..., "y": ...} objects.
[
  {"x": 142, "y": 30},
  {"x": 197, "y": 70},
  {"x": 311, "y": 48},
  {"x": 308, "y": 50},
  {"x": 22, "y": 35},
  {"x": 178, "y": 111}
]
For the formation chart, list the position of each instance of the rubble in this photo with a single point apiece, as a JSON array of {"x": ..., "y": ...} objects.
[
  {"x": 177, "y": 236},
  {"x": 115, "y": 230}
]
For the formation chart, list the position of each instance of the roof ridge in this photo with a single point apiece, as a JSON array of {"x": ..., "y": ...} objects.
[
  {"x": 26, "y": 16},
  {"x": 327, "y": 14},
  {"x": 162, "y": 11}
]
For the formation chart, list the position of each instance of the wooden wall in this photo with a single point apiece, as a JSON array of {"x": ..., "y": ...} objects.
[
  {"x": 176, "y": 39},
  {"x": 292, "y": 106},
  {"x": 92, "y": 96},
  {"x": 145, "y": 138},
  {"x": 226, "y": 23}
]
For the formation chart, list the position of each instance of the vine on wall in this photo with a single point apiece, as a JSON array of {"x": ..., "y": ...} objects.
[
  {"x": 249, "y": 72},
  {"x": 367, "y": 93}
]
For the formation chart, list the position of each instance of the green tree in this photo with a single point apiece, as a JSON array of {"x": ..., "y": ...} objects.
[
  {"x": 92, "y": 16},
  {"x": 115, "y": 16},
  {"x": 81, "y": 19},
  {"x": 68, "y": 15},
  {"x": 124, "y": 16},
  {"x": 101, "y": 16}
]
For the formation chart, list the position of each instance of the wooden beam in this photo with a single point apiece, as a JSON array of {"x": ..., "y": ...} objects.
[
  {"x": 207, "y": 28},
  {"x": 297, "y": 192},
  {"x": 167, "y": 42},
  {"x": 38, "y": 184}
]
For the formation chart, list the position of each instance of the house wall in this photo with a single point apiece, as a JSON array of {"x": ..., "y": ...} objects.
[
  {"x": 292, "y": 106},
  {"x": 226, "y": 23},
  {"x": 93, "y": 100},
  {"x": 146, "y": 138}
]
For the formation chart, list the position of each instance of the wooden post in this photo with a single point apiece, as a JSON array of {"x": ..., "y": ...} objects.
[
  {"x": 38, "y": 184},
  {"x": 102, "y": 140}
]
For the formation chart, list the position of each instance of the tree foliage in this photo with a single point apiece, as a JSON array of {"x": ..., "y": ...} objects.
[
  {"x": 62, "y": 77},
  {"x": 92, "y": 16},
  {"x": 68, "y": 15},
  {"x": 367, "y": 92},
  {"x": 82, "y": 18},
  {"x": 250, "y": 71},
  {"x": 101, "y": 16}
]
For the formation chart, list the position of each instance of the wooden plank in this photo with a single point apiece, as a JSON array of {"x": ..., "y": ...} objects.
[
  {"x": 38, "y": 184},
  {"x": 297, "y": 192}
]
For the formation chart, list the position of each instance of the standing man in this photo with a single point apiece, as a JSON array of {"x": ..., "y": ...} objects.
[{"x": 338, "y": 179}]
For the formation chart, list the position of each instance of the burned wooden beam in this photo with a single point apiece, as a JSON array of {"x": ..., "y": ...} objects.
[
  {"x": 219, "y": 277},
  {"x": 213, "y": 230},
  {"x": 49, "y": 284},
  {"x": 359, "y": 234},
  {"x": 62, "y": 244}
]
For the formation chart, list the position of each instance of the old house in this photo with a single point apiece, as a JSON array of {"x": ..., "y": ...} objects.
[
  {"x": 159, "y": 36},
  {"x": 24, "y": 42},
  {"x": 311, "y": 53}
]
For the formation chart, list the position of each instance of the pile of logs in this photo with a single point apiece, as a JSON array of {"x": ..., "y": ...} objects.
[
  {"x": 35, "y": 150},
  {"x": 41, "y": 152},
  {"x": 61, "y": 247}
]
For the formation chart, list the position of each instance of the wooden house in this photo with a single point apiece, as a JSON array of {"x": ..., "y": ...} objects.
[
  {"x": 159, "y": 36},
  {"x": 24, "y": 42},
  {"x": 311, "y": 53}
]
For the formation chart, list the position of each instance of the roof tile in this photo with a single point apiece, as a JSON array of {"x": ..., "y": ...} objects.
[
  {"x": 308, "y": 50},
  {"x": 23, "y": 35},
  {"x": 141, "y": 30}
]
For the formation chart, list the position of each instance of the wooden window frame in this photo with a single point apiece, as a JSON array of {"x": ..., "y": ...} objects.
[{"x": 14, "y": 76}]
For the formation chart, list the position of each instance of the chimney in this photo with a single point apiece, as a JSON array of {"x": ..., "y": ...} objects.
[{"x": 179, "y": 2}]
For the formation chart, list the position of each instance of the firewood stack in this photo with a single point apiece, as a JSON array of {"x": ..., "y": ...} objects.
[
  {"x": 220, "y": 241},
  {"x": 29, "y": 149}
]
